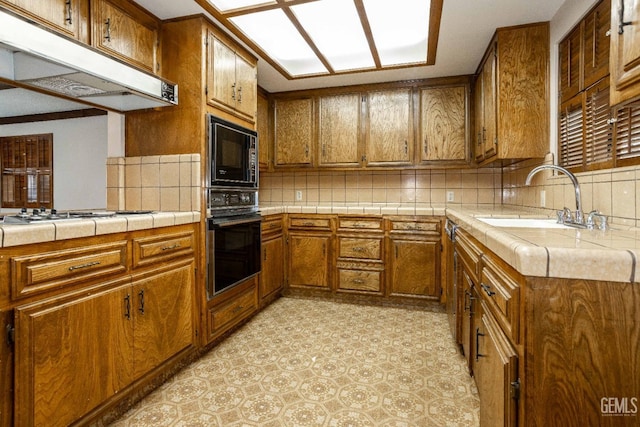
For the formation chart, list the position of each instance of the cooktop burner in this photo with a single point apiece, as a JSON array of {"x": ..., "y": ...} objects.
[{"x": 43, "y": 216}]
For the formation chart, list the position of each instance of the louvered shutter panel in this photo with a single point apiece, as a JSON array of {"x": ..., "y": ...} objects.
[
  {"x": 570, "y": 144},
  {"x": 598, "y": 133},
  {"x": 628, "y": 133}
]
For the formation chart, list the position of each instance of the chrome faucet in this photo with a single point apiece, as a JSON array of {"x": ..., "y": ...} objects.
[{"x": 564, "y": 216}]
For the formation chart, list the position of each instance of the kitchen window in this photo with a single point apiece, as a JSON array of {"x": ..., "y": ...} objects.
[{"x": 27, "y": 171}]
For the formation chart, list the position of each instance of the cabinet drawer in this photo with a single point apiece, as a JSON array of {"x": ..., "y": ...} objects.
[
  {"x": 310, "y": 222},
  {"x": 416, "y": 226},
  {"x": 360, "y": 223},
  {"x": 233, "y": 311},
  {"x": 360, "y": 248},
  {"x": 360, "y": 280},
  {"x": 501, "y": 291},
  {"x": 469, "y": 254},
  {"x": 37, "y": 273},
  {"x": 271, "y": 225},
  {"x": 148, "y": 250}
]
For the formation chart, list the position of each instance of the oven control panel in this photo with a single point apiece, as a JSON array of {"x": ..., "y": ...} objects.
[{"x": 224, "y": 200}]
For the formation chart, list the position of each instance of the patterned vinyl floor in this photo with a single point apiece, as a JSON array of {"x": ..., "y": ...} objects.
[{"x": 306, "y": 362}]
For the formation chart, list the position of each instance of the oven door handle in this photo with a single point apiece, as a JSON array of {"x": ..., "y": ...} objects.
[{"x": 231, "y": 222}]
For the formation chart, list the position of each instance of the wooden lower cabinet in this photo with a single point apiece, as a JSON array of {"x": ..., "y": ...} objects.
[
  {"x": 272, "y": 263},
  {"x": 231, "y": 307},
  {"x": 495, "y": 369},
  {"x": 309, "y": 260},
  {"x": 413, "y": 258},
  {"x": 75, "y": 352}
]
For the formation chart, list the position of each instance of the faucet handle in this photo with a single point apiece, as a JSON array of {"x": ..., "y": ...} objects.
[{"x": 590, "y": 223}]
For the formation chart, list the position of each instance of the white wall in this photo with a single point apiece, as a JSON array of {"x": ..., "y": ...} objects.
[{"x": 80, "y": 149}]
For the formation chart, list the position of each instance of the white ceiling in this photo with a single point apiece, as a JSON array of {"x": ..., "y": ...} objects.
[{"x": 465, "y": 31}]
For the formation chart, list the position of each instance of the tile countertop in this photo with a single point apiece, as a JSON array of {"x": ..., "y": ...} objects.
[
  {"x": 23, "y": 234},
  {"x": 568, "y": 253}
]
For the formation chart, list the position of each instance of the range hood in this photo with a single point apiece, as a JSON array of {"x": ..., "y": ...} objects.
[{"x": 34, "y": 57}]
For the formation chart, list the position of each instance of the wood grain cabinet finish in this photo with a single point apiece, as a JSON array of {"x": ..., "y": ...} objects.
[
  {"x": 309, "y": 251},
  {"x": 63, "y": 16},
  {"x": 87, "y": 324},
  {"x": 514, "y": 92},
  {"x": 596, "y": 47},
  {"x": 625, "y": 50},
  {"x": 389, "y": 130},
  {"x": 413, "y": 258},
  {"x": 294, "y": 130},
  {"x": 231, "y": 79},
  {"x": 339, "y": 130},
  {"x": 443, "y": 130},
  {"x": 360, "y": 255},
  {"x": 273, "y": 249},
  {"x": 126, "y": 32},
  {"x": 232, "y": 307},
  {"x": 263, "y": 126}
]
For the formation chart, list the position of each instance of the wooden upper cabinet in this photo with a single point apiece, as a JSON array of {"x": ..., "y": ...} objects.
[
  {"x": 293, "y": 135},
  {"x": 486, "y": 87},
  {"x": 63, "y": 16},
  {"x": 339, "y": 130},
  {"x": 521, "y": 91},
  {"x": 442, "y": 123},
  {"x": 389, "y": 133},
  {"x": 232, "y": 82},
  {"x": 625, "y": 50},
  {"x": 264, "y": 132},
  {"x": 125, "y": 32},
  {"x": 596, "y": 43}
]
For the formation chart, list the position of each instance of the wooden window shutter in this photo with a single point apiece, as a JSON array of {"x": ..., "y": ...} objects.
[
  {"x": 598, "y": 134},
  {"x": 570, "y": 144},
  {"x": 628, "y": 135}
]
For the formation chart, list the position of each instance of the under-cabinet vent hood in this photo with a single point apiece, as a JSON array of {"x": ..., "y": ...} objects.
[{"x": 35, "y": 57}]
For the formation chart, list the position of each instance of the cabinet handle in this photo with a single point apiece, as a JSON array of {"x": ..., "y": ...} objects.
[
  {"x": 264, "y": 251},
  {"x": 68, "y": 6},
  {"x": 406, "y": 147},
  {"x": 240, "y": 94},
  {"x": 478, "y": 335},
  {"x": 358, "y": 249},
  {"x": 468, "y": 295},
  {"x": 487, "y": 289},
  {"x": 358, "y": 281},
  {"x": 174, "y": 246},
  {"x": 141, "y": 295},
  {"x": 233, "y": 91},
  {"x": 87, "y": 265},
  {"x": 306, "y": 150},
  {"x": 426, "y": 146},
  {"x": 107, "y": 33},
  {"x": 621, "y": 21},
  {"x": 127, "y": 306},
  {"x": 238, "y": 309}
]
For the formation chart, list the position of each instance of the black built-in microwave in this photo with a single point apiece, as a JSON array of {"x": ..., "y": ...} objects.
[{"x": 233, "y": 154}]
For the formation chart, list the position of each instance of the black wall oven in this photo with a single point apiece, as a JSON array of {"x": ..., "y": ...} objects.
[
  {"x": 233, "y": 251},
  {"x": 233, "y": 160}
]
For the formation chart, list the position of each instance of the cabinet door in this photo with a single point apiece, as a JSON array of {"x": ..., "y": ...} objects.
[
  {"x": 221, "y": 73},
  {"x": 489, "y": 135},
  {"x": 442, "y": 123},
  {"x": 415, "y": 268},
  {"x": 246, "y": 87},
  {"x": 162, "y": 306},
  {"x": 309, "y": 260},
  {"x": 569, "y": 53},
  {"x": 293, "y": 132},
  {"x": 389, "y": 137},
  {"x": 120, "y": 34},
  {"x": 264, "y": 132},
  {"x": 72, "y": 354},
  {"x": 61, "y": 15},
  {"x": 495, "y": 370},
  {"x": 339, "y": 129},
  {"x": 596, "y": 43},
  {"x": 625, "y": 50},
  {"x": 272, "y": 275}
]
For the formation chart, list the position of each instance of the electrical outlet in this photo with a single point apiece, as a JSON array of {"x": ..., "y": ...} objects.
[
  {"x": 298, "y": 195},
  {"x": 450, "y": 196},
  {"x": 543, "y": 198}
]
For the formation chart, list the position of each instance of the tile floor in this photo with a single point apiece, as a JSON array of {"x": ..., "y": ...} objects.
[{"x": 304, "y": 362}]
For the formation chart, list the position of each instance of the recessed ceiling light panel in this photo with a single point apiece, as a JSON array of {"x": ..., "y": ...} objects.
[
  {"x": 334, "y": 26},
  {"x": 281, "y": 40},
  {"x": 226, "y": 5}
]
